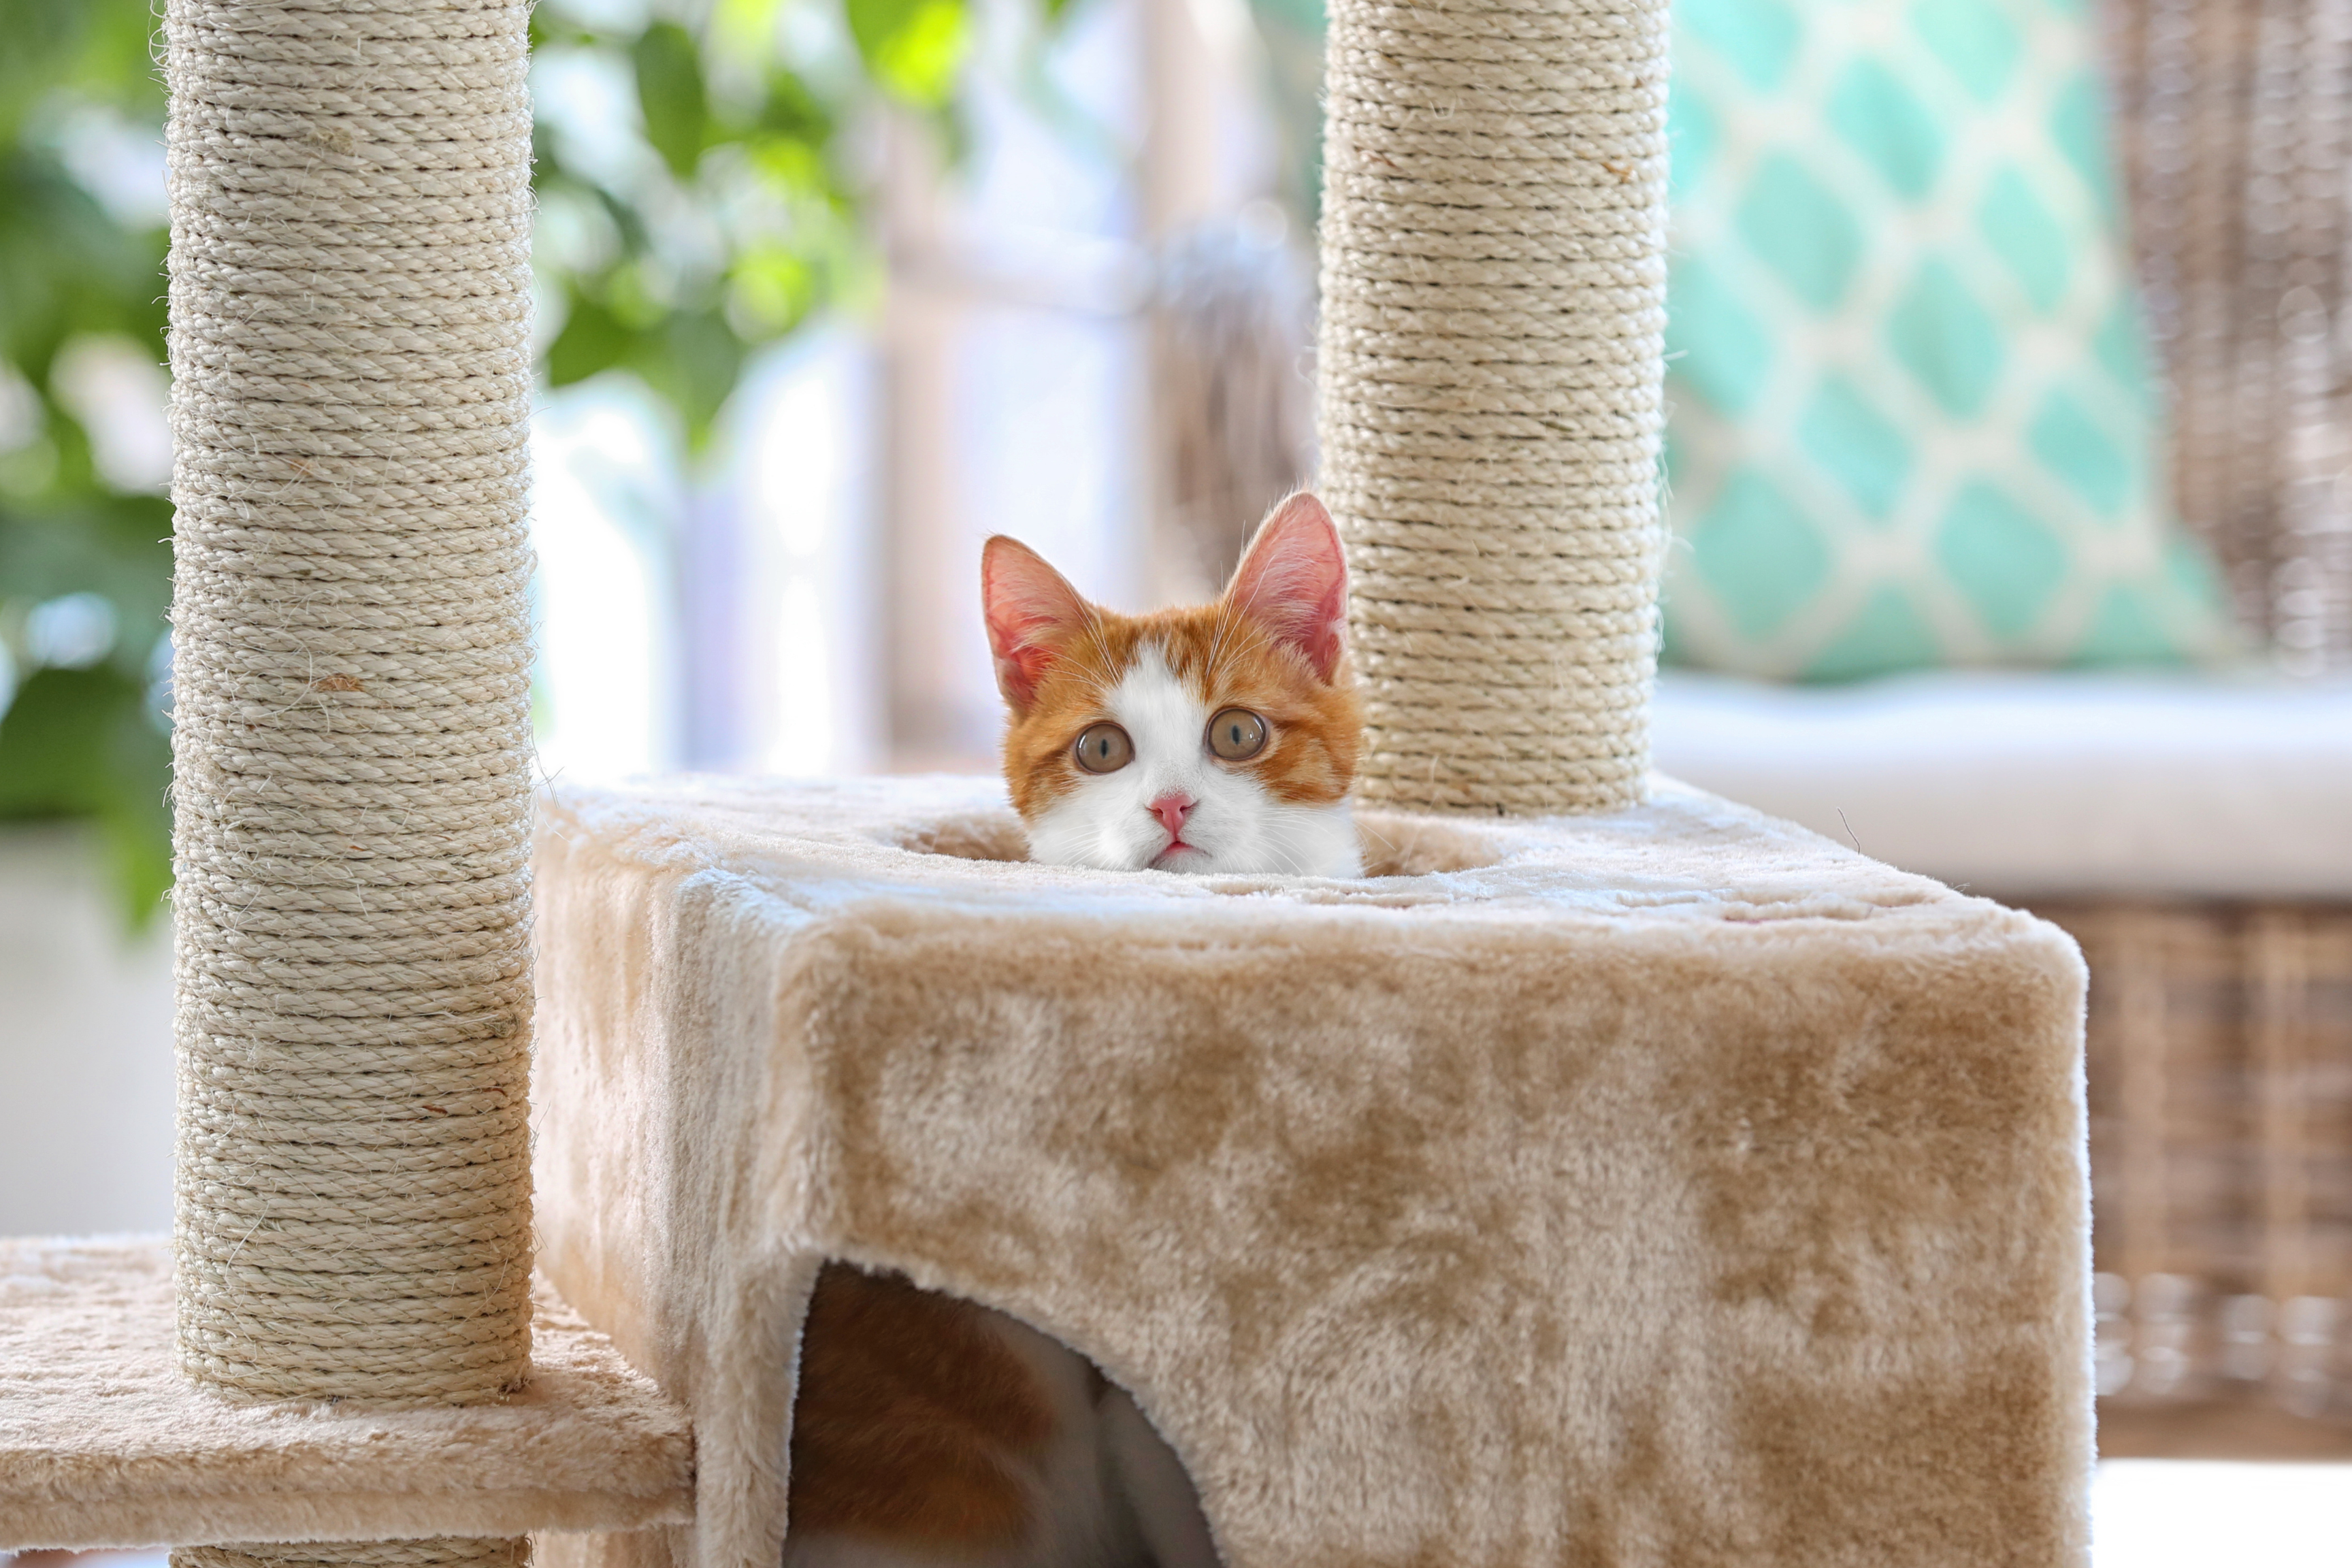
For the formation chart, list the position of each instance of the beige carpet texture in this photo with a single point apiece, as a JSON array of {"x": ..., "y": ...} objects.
[
  {"x": 105, "y": 1442},
  {"x": 1672, "y": 1187}
]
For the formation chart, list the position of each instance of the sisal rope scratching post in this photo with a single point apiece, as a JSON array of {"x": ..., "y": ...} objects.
[
  {"x": 1493, "y": 290},
  {"x": 349, "y": 275}
]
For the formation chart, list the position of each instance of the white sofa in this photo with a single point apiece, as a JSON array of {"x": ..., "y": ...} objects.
[{"x": 2038, "y": 787}]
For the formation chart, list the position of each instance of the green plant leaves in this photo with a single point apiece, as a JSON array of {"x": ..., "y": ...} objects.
[
  {"x": 914, "y": 48},
  {"x": 691, "y": 359},
  {"x": 115, "y": 545},
  {"x": 593, "y": 339},
  {"x": 81, "y": 743},
  {"x": 675, "y": 273},
  {"x": 96, "y": 49},
  {"x": 670, "y": 94},
  {"x": 770, "y": 291},
  {"x": 790, "y": 111}
]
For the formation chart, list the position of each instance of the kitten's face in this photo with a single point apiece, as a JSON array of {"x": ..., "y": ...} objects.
[{"x": 1220, "y": 737}]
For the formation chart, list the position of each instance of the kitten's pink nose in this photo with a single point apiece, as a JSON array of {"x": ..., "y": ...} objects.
[{"x": 1172, "y": 809}]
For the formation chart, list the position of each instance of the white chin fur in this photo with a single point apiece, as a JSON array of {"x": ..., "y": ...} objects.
[{"x": 1235, "y": 827}]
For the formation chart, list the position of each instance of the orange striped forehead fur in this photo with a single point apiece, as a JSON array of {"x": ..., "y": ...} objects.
[{"x": 1226, "y": 656}]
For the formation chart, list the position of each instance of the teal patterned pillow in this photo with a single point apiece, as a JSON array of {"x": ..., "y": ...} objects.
[{"x": 1911, "y": 421}]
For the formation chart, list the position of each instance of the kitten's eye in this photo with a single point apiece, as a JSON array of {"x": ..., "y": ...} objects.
[
  {"x": 1104, "y": 749},
  {"x": 1236, "y": 734}
]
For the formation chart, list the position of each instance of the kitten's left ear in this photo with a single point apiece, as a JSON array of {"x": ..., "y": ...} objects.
[{"x": 1294, "y": 580}]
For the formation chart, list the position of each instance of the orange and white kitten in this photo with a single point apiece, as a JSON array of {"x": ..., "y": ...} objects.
[{"x": 1221, "y": 737}]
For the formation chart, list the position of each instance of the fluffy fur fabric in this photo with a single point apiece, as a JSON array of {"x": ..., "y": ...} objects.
[
  {"x": 1672, "y": 1187},
  {"x": 104, "y": 1444}
]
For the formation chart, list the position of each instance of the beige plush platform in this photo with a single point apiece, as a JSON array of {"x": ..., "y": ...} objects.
[
  {"x": 103, "y": 1444},
  {"x": 1669, "y": 1188}
]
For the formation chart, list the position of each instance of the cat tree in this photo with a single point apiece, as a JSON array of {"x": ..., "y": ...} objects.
[{"x": 1660, "y": 1186}]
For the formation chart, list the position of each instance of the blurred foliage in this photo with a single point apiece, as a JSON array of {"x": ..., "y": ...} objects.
[
  {"x": 1290, "y": 33},
  {"x": 78, "y": 742},
  {"x": 696, "y": 200},
  {"x": 693, "y": 199},
  {"x": 84, "y": 743}
]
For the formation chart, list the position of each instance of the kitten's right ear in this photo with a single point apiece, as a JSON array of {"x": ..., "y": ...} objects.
[{"x": 1030, "y": 609}]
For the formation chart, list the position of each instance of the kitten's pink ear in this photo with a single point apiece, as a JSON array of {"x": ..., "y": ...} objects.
[
  {"x": 1030, "y": 608},
  {"x": 1294, "y": 580}
]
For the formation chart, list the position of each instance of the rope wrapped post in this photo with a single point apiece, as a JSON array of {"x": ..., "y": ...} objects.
[
  {"x": 350, "y": 287},
  {"x": 1491, "y": 358}
]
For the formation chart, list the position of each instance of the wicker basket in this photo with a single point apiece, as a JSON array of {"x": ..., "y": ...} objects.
[
  {"x": 2235, "y": 130},
  {"x": 2220, "y": 1036},
  {"x": 2221, "y": 1099}
]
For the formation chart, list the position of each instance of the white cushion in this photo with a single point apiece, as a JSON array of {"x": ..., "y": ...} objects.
[{"x": 2026, "y": 786}]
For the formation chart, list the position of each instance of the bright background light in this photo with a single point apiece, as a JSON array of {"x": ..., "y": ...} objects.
[{"x": 2180, "y": 1513}]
